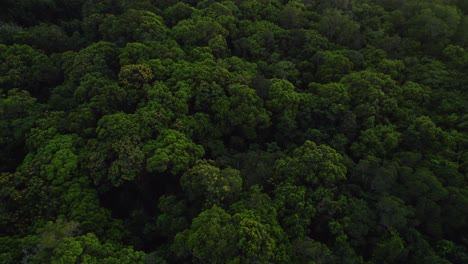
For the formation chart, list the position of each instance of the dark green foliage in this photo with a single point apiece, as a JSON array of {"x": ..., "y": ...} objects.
[
  {"x": 18, "y": 111},
  {"x": 246, "y": 131},
  {"x": 25, "y": 68}
]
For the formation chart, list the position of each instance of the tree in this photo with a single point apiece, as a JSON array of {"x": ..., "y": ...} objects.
[
  {"x": 18, "y": 111},
  {"x": 392, "y": 68},
  {"x": 172, "y": 219},
  {"x": 432, "y": 24},
  {"x": 393, "y": 212},
  {"x": 455, "y": 209},
  {"x": 414, "y": 95},
  {"x": 100, "y": 57},
  {"x": 379, "y": 141},
  {"x": 372, "y": 95},
  {"x": 282, "y": 102},
  {"x": 59, "y": 242},
  {"x": 49, "y": 38},
  {"x": 102, "y": 95},
  {"x": 117, "y": 155},
  {"x": 425, "y": 136},
  {"x": 254, "y": 214},
  {"x": 241, "y": 110},
  {"x": 92, "y": 7},
  {"x": 460, "y": 37},
  {"x": 328, "y": 104},
  {"x": 172, "y": 151},
  {"x": 306, "y": 249},
  {"x": 339, "y": 28},
  {"x": 136, "y": 53},
  {"x": 293, "y": 15},
  {"x": 425, "y": 193},
  {"x": 330, "y": 66},
  {"x": 197, "y": 31},
  {"x": 32, "y": 193},
  {"x": 204, "y": 80},
  {"x": 335, "y": 4},
  {"x": 81, "y": 204},
  {"x": 212, "y": 228},
  {"x": 133, "y": 78},
  {"x": 295, "y": 209},
  {"x": 359, "y": 221},
  {"x": 25, "y": 68},
  {"x": 256, "y": 242},
  {"x": 58, "y": 159},
  {"x": 390, "y": 250},
  {"x": 134, "y": 25},
  {"x": 261, "y": 39},
  {"x": 205, "y": 182},
  {"x": 312, "y": 165},
  {"x": 259, "y": 10},
  {"x": 218, "y": 46},
  {"x": 174, "y": 104},
  {"x": 178, "y": 12}
]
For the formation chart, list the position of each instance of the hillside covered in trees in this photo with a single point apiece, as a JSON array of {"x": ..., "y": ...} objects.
[{"x": 243, "y": 131}]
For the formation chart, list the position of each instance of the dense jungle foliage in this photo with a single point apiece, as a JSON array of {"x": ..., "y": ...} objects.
[{"x": 243, "y": 131}]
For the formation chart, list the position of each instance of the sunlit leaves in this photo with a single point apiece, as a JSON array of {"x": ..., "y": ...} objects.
[
  {"x": 312, "y": 165},
  {"x": 172, "y": 151},
  {"x": 207, "y": 182}
]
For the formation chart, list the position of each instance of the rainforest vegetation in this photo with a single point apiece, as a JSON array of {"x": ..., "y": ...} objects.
[{"x": 237, "y": 131}]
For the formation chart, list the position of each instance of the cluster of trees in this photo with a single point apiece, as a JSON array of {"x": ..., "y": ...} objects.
[{"x": 243, "y": 131}]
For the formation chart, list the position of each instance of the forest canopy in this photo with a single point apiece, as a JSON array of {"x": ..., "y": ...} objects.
[{"x": 243, "y": 131}]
